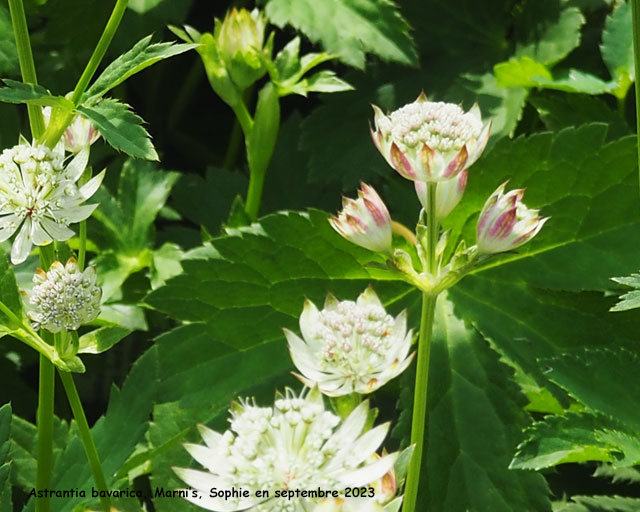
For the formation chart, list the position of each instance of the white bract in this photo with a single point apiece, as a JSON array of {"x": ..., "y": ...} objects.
[
  {"x": 64, "y": 298},
  {"x": 430, "y": 141},
  {"x": 350, "y": 346},
  {"x": 365, "y": 221},
  {"x": 505, "y": 223},
  {"x": 448, "y": 194},
  {"x": 38, "y": 194},
  {"x": 296, "y": 445}
]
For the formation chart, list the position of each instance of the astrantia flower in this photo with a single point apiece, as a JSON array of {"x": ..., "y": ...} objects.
[
  {"x": 350, "y": 346},
  {"x": 38, "y": 192},
  {"x": 64, "y": 298},
  {"x": 430, "y": 141},
  {"x": 448, "y": 194},
  {"x": 297, "y": 445},
  {"x": 79, "y": 135},
  {"x": 365, "y": 221},
  {"x": 505, "y": 223}
]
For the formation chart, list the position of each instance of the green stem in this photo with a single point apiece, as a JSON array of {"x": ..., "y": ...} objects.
[
  {"x": 418, "y": 421},
  {"x": 82, "y": 251},
  {"x": 52, "y": 137},
  {"x": 27, "y": 66},
  {"x": 46, "y": 394},
  {"x": 85, "y": 436},
  {"x": 46, "y": 391},
  {"x": 233, "y": 147},
  {"x": 254, "y": 194},
  {"x": 244, "y": 118},
  {"x": 635, "y": 14}
]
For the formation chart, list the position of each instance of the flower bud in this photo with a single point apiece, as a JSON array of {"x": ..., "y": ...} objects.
[
  {"x": 448, "y": 194},
  {"x": 365, "y": 221},
  {"x": 80, "y": 134},
  {"x": 240, "y": 39},
  {"x": 505, "y": 223},
  {"x": 430, "y": 141}
]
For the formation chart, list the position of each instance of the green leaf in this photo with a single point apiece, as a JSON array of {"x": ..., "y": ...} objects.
[
  {"x": 600, "y": 504},
  {"x": 349, "y": 28},
  {"x": 5, "y": 459},
  {"x": 559, "y": 111},
  {"x": 18, "y": 92},
  {"x": 562, "y": 439},
  {"x": 141, "y": 56},
  {"x": 326, "y": 81},
  {"x": 102, "y": 339},
  {"x": 9, "y": 294},
  {"x": 165, "y": 264},
  {"x": 631, "y": 299},
  {"x": 8, "y": 51},
  {"x": 474, "y": 423},
  {"x": 553, "y": 38},
  {"x": 522, "y": 72},
  {"x": 617, "y": 47},
  {"x": 586, "y": 375},
  {"x": 120, "y": 127}
]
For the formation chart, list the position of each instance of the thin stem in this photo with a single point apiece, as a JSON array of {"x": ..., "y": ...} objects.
[
  {"x": 109, "y": 31},
  {"x": 635, "y": 14},
  {"x": 85, "y": 436},
  {"x": 46, "y": 395},
  {"x": 27, "y": 66},
  {"x": 418, "y": 421},
  {"x": 244, "y": 118},
  {"x": 46, "y": 392},
  {"x": 254, "y": 194},
  {"x": 82, "y": 251}
]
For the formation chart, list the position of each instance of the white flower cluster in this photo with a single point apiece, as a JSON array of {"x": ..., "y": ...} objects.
[
  {"x": 38, "y": 192},
  {"x": 350, "y": 346},
  {"x": 441, "y": 126},
  {"x": 64, "y": 298},
  {"x": 296, "y": 445}
]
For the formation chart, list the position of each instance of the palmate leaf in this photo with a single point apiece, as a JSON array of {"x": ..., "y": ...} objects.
[
  {"x": 18, "y": 92},
  {"x": 617, "y": 46},
  {"x": 349, "y": 28},
  {"x": 120, "y": 127},
  {"x": 631, "y": 299}
]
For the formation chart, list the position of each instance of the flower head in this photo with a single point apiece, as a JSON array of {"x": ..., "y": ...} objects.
[
  {"x": 365, "y": 221},
  {"x": 350, "y": 346},
  {"x": 295, "y": 445},
  {"x": 79, "y": 135},
  {"x": 505, "y": 223},
  {"x": 448, "y": 194},
  {"x": 38, "y": 192},
  {"x": 430, "y": 141},
  {"x": 64, "y": 298}
]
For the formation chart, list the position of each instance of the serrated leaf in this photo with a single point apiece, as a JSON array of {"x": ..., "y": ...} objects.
[
  {"x": 141, "y": 56},
  {"x": 563, "y": 439},
  {"x": 586, "y": 375},
  {"x": 474, "y": 422},
  {"x": 18, "y": 92},
  {"x": 120, "y": 127},
  {"x": 617, "y": 46},
  {"x": 102, "y": 339},
  {"x": 553, "y": 37},
  {"x": 355, "y": 27},
  {"x": 600, "y": 504},
  {"x": 629, "y": 300}
]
